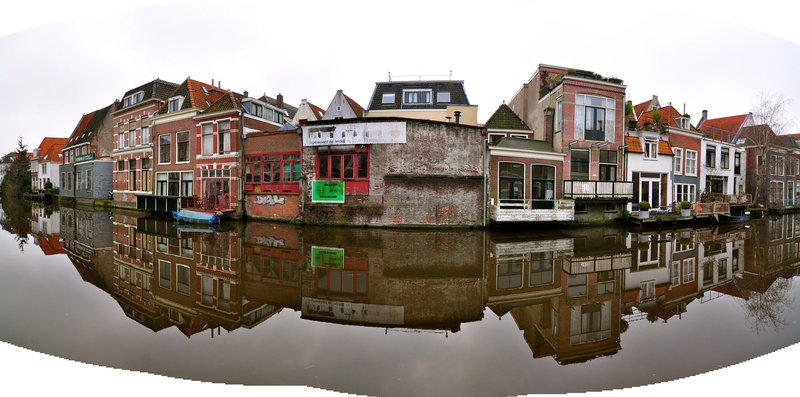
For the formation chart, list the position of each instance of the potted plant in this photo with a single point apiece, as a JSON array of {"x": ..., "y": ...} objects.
[
  {"x": 644, "y": 209},
  {"x": 686, "y": 208}
]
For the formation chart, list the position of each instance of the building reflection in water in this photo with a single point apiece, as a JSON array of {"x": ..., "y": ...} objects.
[{"x": 571, "y": 294}]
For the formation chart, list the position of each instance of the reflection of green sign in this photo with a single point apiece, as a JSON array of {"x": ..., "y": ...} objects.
[
  {"x": 327, "y": 191},
  {"x": 84, "y": 157},
  {"x": 332, "y": 258}
]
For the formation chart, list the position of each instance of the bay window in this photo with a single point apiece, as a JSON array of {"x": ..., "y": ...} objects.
[{"x": 594, "y": 118}]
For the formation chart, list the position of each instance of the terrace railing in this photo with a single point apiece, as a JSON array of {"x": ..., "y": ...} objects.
[{"x": 598, "y": 189}]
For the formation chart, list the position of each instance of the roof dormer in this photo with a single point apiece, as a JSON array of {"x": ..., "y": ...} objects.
[
  {"x": 132, "y": 99},
  {"x": 174, "y": 104}
]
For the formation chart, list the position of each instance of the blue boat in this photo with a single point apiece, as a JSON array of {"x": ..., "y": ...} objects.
[{"x": 195, "y": 217}]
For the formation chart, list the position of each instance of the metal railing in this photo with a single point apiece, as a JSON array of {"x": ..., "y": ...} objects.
[
  {"x": 527, "y": 204},
  {"x": 598, "y": 189}
]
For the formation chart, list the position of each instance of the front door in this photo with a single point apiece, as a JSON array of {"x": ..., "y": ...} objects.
[
  {"x": 650, "y": 191},
  {"x": 217, "y": 193}
]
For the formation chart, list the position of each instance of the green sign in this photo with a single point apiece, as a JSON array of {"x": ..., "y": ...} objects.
[
  {"x": 327, "y": 191},
  {"x": 84, "y": 157},
  {"x": 332, "y": 258}
]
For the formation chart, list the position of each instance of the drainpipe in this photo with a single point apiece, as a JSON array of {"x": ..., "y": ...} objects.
[
  {"x": 485, "y": 166},
  {"x": 240, "y": 172}
]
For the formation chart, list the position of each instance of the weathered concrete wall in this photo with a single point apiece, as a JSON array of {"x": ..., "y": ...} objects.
[{"x": 435, "y": 178}]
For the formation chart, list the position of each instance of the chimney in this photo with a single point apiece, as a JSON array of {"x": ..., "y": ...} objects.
[
  {"x": 280, "y": 100},
  {"x": 219, "y": 84},
  {"x": 703, "y": 118},
  {"x": 212, "y": 82},
  {"x": 458, "y": 116}
]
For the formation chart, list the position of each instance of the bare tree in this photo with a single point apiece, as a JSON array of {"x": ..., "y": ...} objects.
[
  {"x": 765, "y": 310},
  {"x": 769, "y": 118}
]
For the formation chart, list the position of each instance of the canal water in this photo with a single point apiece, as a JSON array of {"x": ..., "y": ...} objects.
[{"x": 396, "y": 312}]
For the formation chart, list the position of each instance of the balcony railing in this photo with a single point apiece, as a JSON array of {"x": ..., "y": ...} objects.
[
  {"x": 532, "y": 210},
  {"x": 598, "y": 189}
]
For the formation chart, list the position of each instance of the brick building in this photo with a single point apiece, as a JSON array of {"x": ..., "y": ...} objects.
[
  {"x": 133, "y": 144},
  {"x": 86, "y": 172}
]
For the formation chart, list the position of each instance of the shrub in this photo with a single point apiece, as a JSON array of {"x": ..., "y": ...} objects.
[
  {"x": 685, "y": 205},
  {"x": 644, "y": 206}
]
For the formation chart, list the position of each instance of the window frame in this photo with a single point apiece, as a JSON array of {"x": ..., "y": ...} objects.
[
  {"x": 356, "y": 152},
  {"x": 178, "y": 143},
  {"x": 686, "y": 169},
  {"x": 161, "y": 145},
  {"x": 677, "y": 161},
  {"x": 427, "y": 91},
  {"x": 572, "y": 163}
]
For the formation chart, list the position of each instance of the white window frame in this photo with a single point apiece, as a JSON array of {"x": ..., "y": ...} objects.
[
  {"x": 443, "y": 97},
  {"x": 188, "y": 147},
  {"x": 387, "y": 98},
  {"x": 420, "y": 90},
  {"x": 677, "y": 161},
  {"x": 688, "y": 277},
  {"x": 207, "y": 135},
  {"x": 650, "y": 147},
  {"x": 559, "y": 116},
  {"x": 609, "y": 123},
  {"x": 693, "y": 171},
  {"x": 177, "y": 101},
  {"x": 519, "y": 136},
  {"x": 491, "y": 134}
]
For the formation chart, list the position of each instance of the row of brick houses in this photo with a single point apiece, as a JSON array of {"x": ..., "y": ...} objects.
[{"x": 568, "y": 146}]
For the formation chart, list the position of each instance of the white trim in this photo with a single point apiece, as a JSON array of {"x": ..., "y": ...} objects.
[
  {"x": 490, "y": 130},
  {"x": 696, "y": 160},
  {"x": 175, "y": 116},
  {"x": 134, "y": 150},
  {"x": 228, "y": 155},
  {"x": 407, "y": 110},
  {"x": 528, "y": 154},
  {"x": 428, "y": 90},
  {"x": 247, "y": 115}
]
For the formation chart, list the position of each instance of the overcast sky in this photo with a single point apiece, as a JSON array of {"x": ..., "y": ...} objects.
[{"x": 59, "y": 61}]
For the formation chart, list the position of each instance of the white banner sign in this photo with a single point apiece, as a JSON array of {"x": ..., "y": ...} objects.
[{"x": 354, "y": 134}]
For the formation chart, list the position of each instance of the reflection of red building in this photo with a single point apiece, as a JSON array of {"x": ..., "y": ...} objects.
[
  {"x": 51, "y": 244},
  {"x": 272, "y": 264}
]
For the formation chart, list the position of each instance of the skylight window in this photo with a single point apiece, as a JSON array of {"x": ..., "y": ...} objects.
[
  {"x": 443, "y": 96},
  {"x": 388, "y": 97},
  {"x": 205, "y": 90}
]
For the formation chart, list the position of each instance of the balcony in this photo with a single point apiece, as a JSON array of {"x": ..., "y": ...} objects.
[
  {"x": 532, "y": 211},
  {"x": 598, "y": 190}
]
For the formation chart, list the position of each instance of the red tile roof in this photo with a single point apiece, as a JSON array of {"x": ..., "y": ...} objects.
[
  {"x": 357, "y": 109},
  {"x": 199, "y": 97},
  {"x": 51, "y": 245},
  {"x": 666, "y": 112},
  {"x": 82, "y": 124},
  {"x": 50, "y": 148},
  {"x": 316, "y": 110},
  {"x": 640, "y": 108},
  {"x": 633, "y": 144},
  {"x": 664, "y": 148},
  {"x": 723, "y": 128}
]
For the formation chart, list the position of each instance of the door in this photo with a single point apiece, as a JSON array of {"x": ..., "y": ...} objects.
[
  {"x": 650, "y": 191},
  {"x": 217, "y": 193}
]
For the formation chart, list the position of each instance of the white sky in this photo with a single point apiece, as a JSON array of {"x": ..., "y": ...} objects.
[{"x": 61, "y": 60}]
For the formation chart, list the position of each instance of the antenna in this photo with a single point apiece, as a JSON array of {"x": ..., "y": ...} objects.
[{"x": 390, "y": 75}]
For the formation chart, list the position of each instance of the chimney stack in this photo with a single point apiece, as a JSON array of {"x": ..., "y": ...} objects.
[
  {"x": 280, "y": 100},
  {"x": 212, "y": 82},
  {"x": 246, "y": 94},
  {"x": 458, "y": 116}
]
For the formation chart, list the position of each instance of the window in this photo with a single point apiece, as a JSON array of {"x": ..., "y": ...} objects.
[
  {"x": 711, "y": 156},
  {"x": 608, "y": 165},
  {"x": 724, "y": 158},
  {"x": 542, "y": 186},
  {"x": 684, "y": 192},
  {"x": 647, "y": 290},
  {"x": 511, "y": 179},
  {"x": 121, "y": 165},
  {"x": 187, "y": 179},
  {"x": 133, "y": 99},
  {"x": 559, "y": 116},
  {"x": 273, "y": 168},
  {"x": 594, "y": 118},
  {"x": 208, "y": 139},
  {"x": 443, "y": 96},
  {"x": 342, "y": 163},
  {"x": 576, "y": 285},
  {"x": 163, "y": 149},
  {"x": 579, "y": 164},
  {"x": 132, "y": 133},
  {"x": 541, "y": 269},
  {"x": 737, "y": 163},
  {"x": 677, "y": 161},
  {"x": 256, "y": 110},
  {"x": 224, "y": 138},
  {"x": 278, "y": 118},
  {"x": 691, "y": 162},
  {"x": 132, "y": 174},
  {"x": 779, "y": 165},
  {"x": 174, "y": 105},
  {"x": 164, "y": 274},
  {"x": 145, "y": 131},
  {"x": 387, "y": 97},
  {"x": 650, "y": 148},
  {"x": 183, "y": 279},
  {"x": 416, "y": 97},
  {"x": 88, "y": 180},
  {"x": 121, "y": 140},
  {"x": 509, "y": 274},
  {"x": 494, "y": 138},
  {"x": 145, "y": 185},
  {"x": 183, "y": 146}
]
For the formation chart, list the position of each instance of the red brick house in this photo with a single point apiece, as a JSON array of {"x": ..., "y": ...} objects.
[
  {"x": 582, "y": 115},
  {"x": 133, "y": 148}
]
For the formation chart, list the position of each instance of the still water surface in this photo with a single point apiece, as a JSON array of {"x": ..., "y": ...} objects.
[{"x": 386, "y": 312}]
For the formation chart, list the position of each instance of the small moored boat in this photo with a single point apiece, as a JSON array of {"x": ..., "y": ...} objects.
[
  {"x": 193, "y": 216},
  {"x": 727, "y": 218}
]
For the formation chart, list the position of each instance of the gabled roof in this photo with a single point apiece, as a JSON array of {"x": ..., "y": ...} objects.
[
  {"x": 666, "y": 112},
  {"x": 50, "y": 148},
  {"x": 88, "y": 126},
  {"x": 195, "y": 94},
  {"x": 228, "y": 101},
  {"x": 157, "y": 88},
  {"x": 505, "y": 119},
  {"x": 664, "y": 148},
  {"x": 357, "y": 109},
  {"x": 51, "y": 245},
  {"x": 455, "y": 87},
  {"x": 723, "y": 128},
  {"x": 316, "y": 110},
  {"x": 753, "y": 136},
  {"x": 640, "y": 108}
]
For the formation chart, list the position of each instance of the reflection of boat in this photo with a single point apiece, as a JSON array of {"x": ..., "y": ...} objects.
[
  {"x": 723, "y": 228},
  {"x": 194, "y": 216},
  {"x": 195, "y": 228},
  {"x": 726, "y": 218}
]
